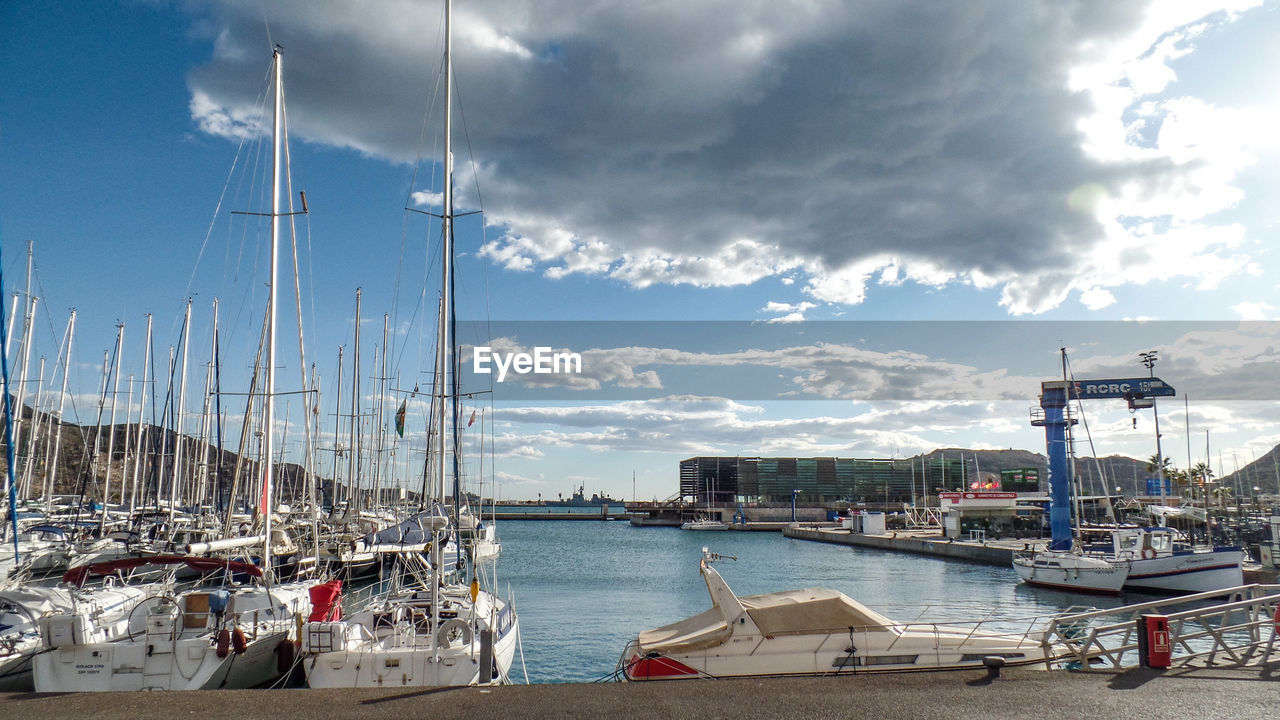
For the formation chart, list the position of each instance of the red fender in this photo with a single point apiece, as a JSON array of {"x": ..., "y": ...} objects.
[
  {"x": 238, "y": 641},
  {"x": 286, "y": 652},
  {"x": 223, "y": 646}
]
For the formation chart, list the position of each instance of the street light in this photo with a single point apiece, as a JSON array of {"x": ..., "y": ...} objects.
[{"x": 1148, "y": 359}]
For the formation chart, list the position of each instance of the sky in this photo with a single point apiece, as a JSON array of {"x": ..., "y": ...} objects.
[{"x": 769, "y": 228}]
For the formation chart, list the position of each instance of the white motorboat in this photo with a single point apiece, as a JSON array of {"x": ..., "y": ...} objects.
[
  {"x": 1065, "y": 570},
  {"x": 815, "y": 631}
]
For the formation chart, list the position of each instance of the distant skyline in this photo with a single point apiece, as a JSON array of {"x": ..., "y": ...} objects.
[{"x": 1096, "y": 175}]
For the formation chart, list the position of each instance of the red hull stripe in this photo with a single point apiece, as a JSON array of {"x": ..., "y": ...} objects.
[{"x": 657, "y": 668}]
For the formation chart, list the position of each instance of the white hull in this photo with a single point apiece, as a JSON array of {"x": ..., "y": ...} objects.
[
  {"x": 394, "y": 646},
  {"x": 1188, "y": 572},
  {"x": 39, "y": 619},
  {"x": 1071, "y": 572},
  {"x": 179, "y": 647},
  {"x": 812, "y": 632}
]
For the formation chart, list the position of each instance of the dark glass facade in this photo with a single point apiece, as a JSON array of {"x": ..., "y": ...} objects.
[{"x": 729, "y": 480}]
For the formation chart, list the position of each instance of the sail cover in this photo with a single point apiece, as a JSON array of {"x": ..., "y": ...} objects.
[{"x": 416, "y": 530}]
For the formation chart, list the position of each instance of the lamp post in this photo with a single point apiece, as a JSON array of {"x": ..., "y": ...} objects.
[
  {"x": 794, "y": 493},
  {"x": 1149, "y": 359}
]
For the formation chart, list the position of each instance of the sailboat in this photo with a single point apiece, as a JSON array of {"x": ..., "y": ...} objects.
[
  {"x": 233, "y": 629},
  {"x": 1063, "y": 566},
  {"x": 431, "y": 628}
]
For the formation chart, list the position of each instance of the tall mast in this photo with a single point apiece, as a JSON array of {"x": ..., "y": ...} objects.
[
  {"x": 354, "y": 450},
  {"x": 111, "y": 439},
  {"x": 449, "y": 309},
  {"x": 175, "y": 479},
  {"x": 52, "y": 474},
  {"x": 269, "y": 419}
]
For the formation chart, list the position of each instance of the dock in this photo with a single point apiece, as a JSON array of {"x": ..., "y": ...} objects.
[
  {"x": 921, "y": 542},
  {"x": 1134, "y": 694}
]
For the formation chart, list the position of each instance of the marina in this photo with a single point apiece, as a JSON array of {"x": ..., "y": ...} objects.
[{"x": 630, "y": 271}]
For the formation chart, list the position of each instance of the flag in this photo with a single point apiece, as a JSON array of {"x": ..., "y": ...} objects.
[
  {"x": 400, "y": 417},
  {"x": 472, "y": 420}
]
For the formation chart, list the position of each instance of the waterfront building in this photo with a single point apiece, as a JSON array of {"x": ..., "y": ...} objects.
[{"x": 728, "y": 481}]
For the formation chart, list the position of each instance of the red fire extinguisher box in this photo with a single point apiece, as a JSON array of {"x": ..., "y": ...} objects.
[{"x": 1155, "y": 650}]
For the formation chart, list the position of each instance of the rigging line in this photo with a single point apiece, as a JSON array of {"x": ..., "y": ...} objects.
[
  {"x": 244, "y": 137},
  {"x": 1088, "y": 435},
  {"x": 430, "y": 264}
]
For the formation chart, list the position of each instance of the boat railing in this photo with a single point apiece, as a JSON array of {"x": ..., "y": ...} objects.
[{"x": 1221, "y": 628}]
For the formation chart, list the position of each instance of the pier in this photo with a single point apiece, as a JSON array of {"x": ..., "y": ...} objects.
[{"x": 920, "y": 542}]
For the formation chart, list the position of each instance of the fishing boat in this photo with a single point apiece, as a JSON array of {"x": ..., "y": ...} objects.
[
  {"x": 815, "y": 631},
  {"x": 1159, "y": 564}
]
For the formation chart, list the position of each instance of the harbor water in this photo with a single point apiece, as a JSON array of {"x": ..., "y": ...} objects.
[{"x": 582, "y": 590}]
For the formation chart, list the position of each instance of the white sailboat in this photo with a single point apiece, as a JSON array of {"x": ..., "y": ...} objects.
[
  {"x": 430, "y": 629},
  {"x": 815, "y": 631},
  {"x": 1063, "y": 566},
  {"x": 37, "y": 619},
  {"x": 234, "y": 629}
]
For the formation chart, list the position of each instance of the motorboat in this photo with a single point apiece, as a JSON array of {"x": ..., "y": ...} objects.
[{"x": 814, "y": 631}]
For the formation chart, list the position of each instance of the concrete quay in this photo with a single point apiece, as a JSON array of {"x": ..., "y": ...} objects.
[
  {"x": 921, "y": 542},
  {"x": 1019, "y": 693}
]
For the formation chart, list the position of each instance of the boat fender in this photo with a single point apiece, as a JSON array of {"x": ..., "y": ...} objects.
[
  {"x": 223, "y": 645},
  {"x": 451, "y": 627},
  {"x": 238, "y": 641},
  {"x": 286, "y": 652},
  {"x": 1148, "y": 553}
]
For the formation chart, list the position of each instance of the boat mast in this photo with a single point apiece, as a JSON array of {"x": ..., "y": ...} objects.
[
  {"x": 269, "y": 414},
  {"x": 52, "y": 466}
]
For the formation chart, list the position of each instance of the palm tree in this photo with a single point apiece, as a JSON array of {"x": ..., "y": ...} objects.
[{"x": 1203, "y": 471}]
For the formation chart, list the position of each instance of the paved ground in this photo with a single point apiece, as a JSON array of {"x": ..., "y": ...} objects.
[{"x": 1019, "y": 693}]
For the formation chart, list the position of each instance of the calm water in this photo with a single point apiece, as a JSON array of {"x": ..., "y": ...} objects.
[{"x": 583, "y": 589}]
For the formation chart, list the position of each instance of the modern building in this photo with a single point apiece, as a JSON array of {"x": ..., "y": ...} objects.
[{"x": 727, "y": 481}]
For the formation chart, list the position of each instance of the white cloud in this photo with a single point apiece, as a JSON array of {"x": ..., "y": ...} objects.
[
  {"x": 1253, "y": 310},
  {"x": 1036, "y": 147}
]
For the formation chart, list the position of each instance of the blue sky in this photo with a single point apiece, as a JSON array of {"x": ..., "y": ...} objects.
[{"x": 1002, "y": 160}]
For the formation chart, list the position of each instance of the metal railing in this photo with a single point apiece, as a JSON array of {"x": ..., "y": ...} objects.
[{"x": 1239, "y": 629}]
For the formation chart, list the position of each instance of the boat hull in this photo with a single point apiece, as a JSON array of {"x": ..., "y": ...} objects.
[
  {"x": 1069, "y": 573},
  {"x": 1187, "y": 572}
]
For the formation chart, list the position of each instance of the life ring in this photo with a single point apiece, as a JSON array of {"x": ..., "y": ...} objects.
[
  {"x": 454, "y": 629},
  {"x": 1148, "y": 553}
]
